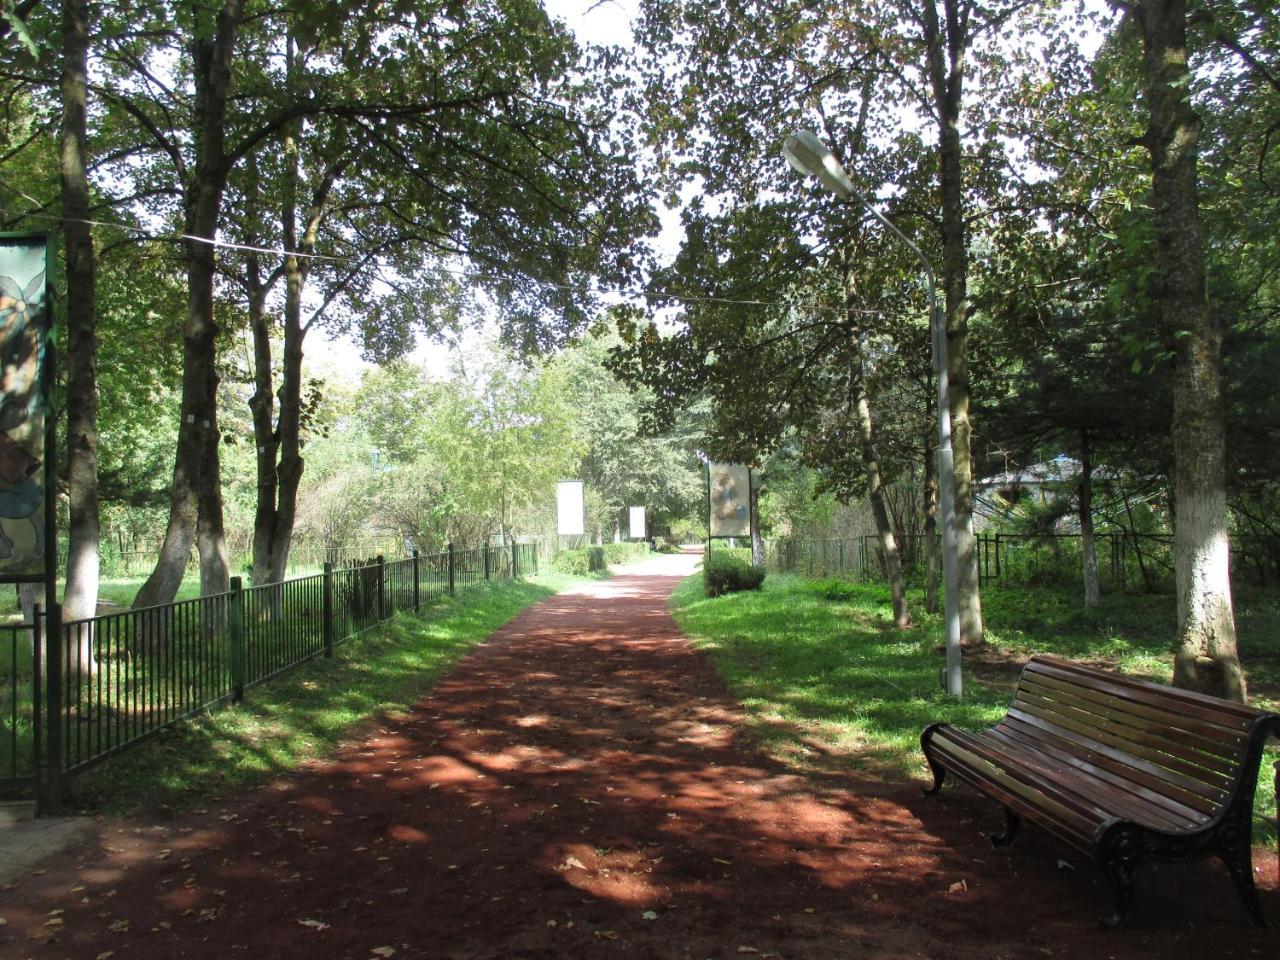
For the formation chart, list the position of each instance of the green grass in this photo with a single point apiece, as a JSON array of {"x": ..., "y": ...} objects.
[
  {"x": 828, "y": 683},
  {"x": 302, "y": 714}
]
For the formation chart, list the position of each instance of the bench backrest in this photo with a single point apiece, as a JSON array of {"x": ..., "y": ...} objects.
[{"x": 1175, "y": 743}]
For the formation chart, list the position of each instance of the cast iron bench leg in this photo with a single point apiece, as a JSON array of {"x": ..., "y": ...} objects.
[
  {"x": 939, "y": 771},
  {"x": 1119, "y": 852},
  {"x": 1237, "y": 854}
]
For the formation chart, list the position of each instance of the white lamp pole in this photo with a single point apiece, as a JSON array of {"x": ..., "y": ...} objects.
[{"x": 811, "y": 158}]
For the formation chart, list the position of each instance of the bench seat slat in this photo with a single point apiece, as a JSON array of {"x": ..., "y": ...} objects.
[
  {"x": 1078, "y": 813},
  {"x": 1180, "y": 789},
  {"x": 1209, "y": 780},
  {"x": 1141, "y": 803},
  {"x": 1135, "y": 738},
  {"x": 1093, "y": 794},
  {"x": 1228, "y": 733}
]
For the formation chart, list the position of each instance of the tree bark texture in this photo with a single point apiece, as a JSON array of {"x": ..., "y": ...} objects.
[
  {"x": 80, "y": 599},
  {"x": 1088, "y": 548},
  {"x": 195, "y": 509},
  {"x": 1205, "y": 656},
  {"x": 945, "y": 50}
]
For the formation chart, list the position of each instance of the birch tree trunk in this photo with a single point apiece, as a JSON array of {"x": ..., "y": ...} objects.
[{"x": 1205, "y": 656}]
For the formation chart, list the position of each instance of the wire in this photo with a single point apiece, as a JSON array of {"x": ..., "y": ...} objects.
[{"x": 469, "y": 274}]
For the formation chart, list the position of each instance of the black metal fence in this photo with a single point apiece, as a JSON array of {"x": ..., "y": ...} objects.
[
  {"x": 109, "y": 682},
  {"x": 1126, "y": 561}
]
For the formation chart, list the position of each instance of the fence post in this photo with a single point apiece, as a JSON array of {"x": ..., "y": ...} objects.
[
  {"x": 53, "y": 708},
  {"x": 485, "y": 551},
  {"x": 417, "y": 590},
  {"x": 327, "y": 614},
  {"x": 448, "y": 554},
  {"x": 235, "y": 638},
  {"x": 842, "y": 558},
  {"x": 382, "y": 592},
  {"x": 515, "y": 564},
  {"x": 997, "y": 554}
]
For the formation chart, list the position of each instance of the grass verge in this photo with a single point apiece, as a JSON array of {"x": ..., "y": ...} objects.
[
  {"x": 302, "y": 714},
  {"x": 829, "y": 684}
]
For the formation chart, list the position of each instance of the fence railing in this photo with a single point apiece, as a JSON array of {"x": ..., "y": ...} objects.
[
  {"x": 1126, "y": 561},
  {"x": 73, "y": 694}
]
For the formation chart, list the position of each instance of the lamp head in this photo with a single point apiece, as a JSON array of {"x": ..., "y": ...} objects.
[{"x": 810, "y": 157}]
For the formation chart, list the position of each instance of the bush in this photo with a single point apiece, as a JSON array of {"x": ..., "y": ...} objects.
[
  {"x": 727, "y": 571},
  {"x": 580, "y": 562},
  {"x": 622, "y": 552}
]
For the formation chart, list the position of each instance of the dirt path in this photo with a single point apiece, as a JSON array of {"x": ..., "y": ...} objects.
[{"x": 579, "y": 787}]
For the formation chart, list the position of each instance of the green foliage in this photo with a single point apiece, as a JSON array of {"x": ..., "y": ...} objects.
[
  {"x": 729, "y": 571},
  {"x": 580, "y": 561}
]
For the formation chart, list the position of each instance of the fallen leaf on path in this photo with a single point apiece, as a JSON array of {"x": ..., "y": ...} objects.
[
  {"x": 314, "y": 924},
  {"x": 649, "y": 915},
  {"x": 383, "y": 951},
  {"x": 572, "y": 862},
  {"x": 1064, "y": 865},
  {"x": 105, "y": 955},
  {"x": 748, "y": 950},
  {"x": 958, "y": 887},
  {"x": 605, "y": 934}
]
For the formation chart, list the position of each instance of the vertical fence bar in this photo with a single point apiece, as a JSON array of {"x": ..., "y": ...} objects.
[
  {"x": 38, "y": 643},
  {"x": 997, "y": 554},
  {"x": 235, "y": 638},
  {"x": 382, "y": 588},
  {"x": 53, "y": 704},
  {"x": 515, "y": 564},
  {"x": 450, "y": 567},
  {"x": 485, "y": 551},
  {"x": 417, "y": 590}
]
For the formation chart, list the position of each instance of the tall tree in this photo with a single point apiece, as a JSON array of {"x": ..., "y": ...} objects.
[
  {"x": 1205, "y": 656},
  {"x": 80, "y": 598}
]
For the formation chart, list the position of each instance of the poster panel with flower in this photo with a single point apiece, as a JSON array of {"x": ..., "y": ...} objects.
[
  {"x": 24, "y": 332},
  {"x": 729, "y": 489}
]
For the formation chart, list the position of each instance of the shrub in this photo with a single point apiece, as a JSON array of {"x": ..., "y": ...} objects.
[
  {"x": 580, "y": 562},
  {"x": 727, "y": 571},
  {"x": 622, "y": 552}
]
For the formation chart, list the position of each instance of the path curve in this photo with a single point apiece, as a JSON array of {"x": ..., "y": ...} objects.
[{"x": 580, "y": 786}]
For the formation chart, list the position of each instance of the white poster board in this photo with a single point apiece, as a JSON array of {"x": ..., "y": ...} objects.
[
  {"x": 636, "y": 524},
  {"x": 729, "y": 490},
  {"x": 570, "y": 515}
]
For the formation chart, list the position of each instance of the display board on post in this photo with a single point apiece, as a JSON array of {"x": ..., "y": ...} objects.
[
  {"x": 28, "y": 545},
  {"x": 728, "y": 501},
  {"x": 571, "y": 518},
  {"x": 635, "y": 522}
]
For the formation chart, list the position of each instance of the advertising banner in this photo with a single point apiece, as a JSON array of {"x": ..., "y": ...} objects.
[
  {"x": 729, "y": 489},
  {"x": 24, "y": 349},
  {"x": 636, "y": 525},
  {"x": 570, "y": 515}
]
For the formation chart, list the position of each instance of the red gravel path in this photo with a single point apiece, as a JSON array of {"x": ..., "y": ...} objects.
[{"x": 579, "y": 786}]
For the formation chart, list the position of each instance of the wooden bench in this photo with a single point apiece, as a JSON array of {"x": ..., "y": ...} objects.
[{"x": 1120, "y": 769}]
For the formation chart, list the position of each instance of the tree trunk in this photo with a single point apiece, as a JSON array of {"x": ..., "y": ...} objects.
[
  {"x": 195, "y": 508},
  {"x": 1205, "y": 655},
  {"x": 757, "y": 541},
  {"x": 946, "y": 52},
  {"x": 1088, "y": 549},
  {"x": 80, "y": 599}
]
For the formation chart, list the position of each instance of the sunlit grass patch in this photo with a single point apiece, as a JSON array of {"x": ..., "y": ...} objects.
[{"x": 827, "y": 681}]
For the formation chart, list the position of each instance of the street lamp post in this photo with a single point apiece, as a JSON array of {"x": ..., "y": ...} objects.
[{"x": 810, "y": 157}]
